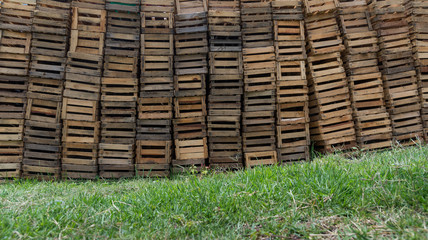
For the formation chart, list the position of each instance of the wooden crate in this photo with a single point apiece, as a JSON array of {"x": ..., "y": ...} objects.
[
  {"x": 287, "y": 10},
  {"x": 132, "y": 6},
  {"x": 225, "y": 30},
  {"x": 293, "y": 135},
  {"x": 154, "y": 130},
  {"x": 157, "y": 66},
  {"x": 292, "y": 113},
  {"x": 121, "y": 44},
  {"x": 224, "y": 5},
  {"x": 120, "y": 67},
  {"x": 155, "y": 108},
  {"x": 47, "y": 67},
  {"x": 226, "y": 63},
  {"x": 11, "y": 129},
  {"x": 258, "y": 141},
  {"x": 86, "y": 42},
  {"x": 226, "y": 85},
  {"x": 289, "y": 40},
  {"x": 42, "y": 155},
  {"x": 51, "y": 17},
  {"x": 224, "y": 126},
  {"x": 13, "y": 86},
  {"x": 116, "y": 154},
  {"x": 90, "y": 4},
  {"x": 157, "y": 22},
  {"x": 84, "y": 64},
  {"x": 330, "y": 107},
  {"x": 156, "y": 87},
  {"x": 12, "y": 107},
  {"x": 157, "y": 44},
  {"x": 14, "y": 64},
  {"x": 82, "y": 87},
  {"x": 118, "y": 133},
  {"x": 49, "y": 45},
  {"x": 190, "y": 64},
  {"x": 79, "y": 160},
  {"x": 292, "y": 72},
  {"x": 153, "y": 158},
  {"x": 324, "y": 65},
  {"x": 15, "y": 42},
  {"x": 191, "y": 23},
  {"x": 189, "y": 128},
  {"x": 17, "y": 15},
  {"x": 191, "y": 43},
  {"x": 367, "y": 92},
  {"x": 117, "y": 171},
  {"x": 119, "y": 89},
  {"x": 260, "y": 80},
  {"x": 293, "y": 155},
  {"x": 228, "y": 105},
  {"x": 257, "y": 25},
  {"x": 41, "y": 172},
  {"x": 10, "y": 170},
  {"x": 186, "y": 107},
  {"x": 88, "y": 19},
  {"x": 189, "y": 85},
  {"x": 407, "y": 128},
  {"x": 317, "y": 7},
  {"x": 80, "y": 110},
  {"x": 258, "y": 58},
  {"x": 46, "y": 89},
  {"x": 323, "y": 35},
  {"x": 401, "y": 92},
  {"x": 43, "y": 111},
  {"x": 397, "y": 63},
  {"x": 258, "y": 121},
  {"x": 360, "y": 64},
  {"x": 374, "y": 130},
  {"x": 191, "y": 6},
  {"x": 11, "y": 152},
  {"x": 261, "y": 158},
  {"x": 80, "y": 131},
  {"x": 190, "y": 153},
  {"x": 167, "y": 6},
  {"x": 259, "y": 101},
  {"x": 225, "y": 152},
  {"x": 118, "y": 111}
]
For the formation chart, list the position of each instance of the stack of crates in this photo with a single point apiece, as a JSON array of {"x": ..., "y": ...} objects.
[
  {"x": 417, "y": 13},
  {"x": 15, "y": 41},
  {"x": 398, "y": 68},
  {"x": 82, "y": 89},
  {"x": 292, "y": 99},
  {"x": 372, "y": 123},
  {"x": 49, "y": 44},
  {"x": 119, "y": 89},
  {"x": 258, "y": 117},
  {"x": 154, "y": 144},
  {"x": 331, "y": 123},
  {"x": 191, "y": 68},
  {"x": 225, "y": 84}
]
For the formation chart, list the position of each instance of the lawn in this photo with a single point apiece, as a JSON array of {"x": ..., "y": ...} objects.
[{"x": 375, "y": 195}]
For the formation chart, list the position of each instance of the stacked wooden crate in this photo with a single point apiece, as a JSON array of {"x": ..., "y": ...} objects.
[
  {"x": 258, "y": 117},
  {"x": 15, "y": 41},
  {"x": 119, "y": 89},
  {"x": 190, "y": 63},
  {"x": 50, "y": 33},
  {"x": 293, "y": 138},
  {"x": 397, "y": 66},
  {"x": 154, "y": 144},
  {"x": 372, "y": 123},
  {"x": 82, "y": 89},
  {"x": 417, "y": 13},
  {"x": 225, "y": 84},
  {"x": 332, "y": 126}
]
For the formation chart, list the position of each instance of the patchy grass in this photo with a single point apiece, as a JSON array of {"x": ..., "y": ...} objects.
[{"x": 377, "y": 195}]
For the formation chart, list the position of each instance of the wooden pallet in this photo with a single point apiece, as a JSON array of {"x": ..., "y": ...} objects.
[
  {"x": 86, "y": 42},
  {"x": 118, "y": 132},
  {"x": 260, "y": 158},
  {"x": 49, "y": 45},
  {"x": 14, "y": 64},
  {"x": 17, "y": 15},
  {"x": 323, "y": 35},
  {"x": 153, "y": 158},
  {"x": 15, "y": 42},
  {"x": 190, "y": 64},
  {"x": 43, "y": 111},
  {"x": 155, "y": 108},
  {"x": 132, "y": 6},
  {"x": 224, "y": 105},
  {"x": 224, "y": 126},
  {"x": 118, "y": 111},
  {"x": 119, "y": 89},
  {"x": 13, "y": 86},
  {"x": 189, "y": 128},
  {"x": 225, "y": 63},
  {"x": 189, "y": 85},
  {"x": 11, "y": 129},
  {"x": 12, "y": 107},
  {"x": 47, "y": 67},
  {"x": 318, "y": 7},
  {"x": 157, "y": 66},
  {"x": 293, "y": 155},
  {"x": 80, "y": 131},
  {"x": 120, "y": 67},
  {"x": 186, "y": 107},
  {"x": 156, "y": 130},
  {"x": 225, "y": 30},
  {"x": 257, "y": 25},
  {"x": 87, "y": 19},
  {"x": 11, "y": 152},
  {"x": 156, "y": 87},
  {"x": 225, "y": 152},
  {"x": 191, "y": 6},
  {"x": 167, "y": 6},
  {"x": 226, "y": 85},
  {"x": 259, "y": 101},
  {"x": 292, "y": 113},
  {"x": 84, "y": 64},
  {"x": 82, "y": 87},
  {"x": 157, "y": 44},
  {"x": 157, "y": 23},
  {"x": 191, "y": 43},
  {"x": 80, "y": 110},
  {"x": 287, "y": 10},
  {"x": 79, "y": 160},
  {"x": 51, "y": 17}
]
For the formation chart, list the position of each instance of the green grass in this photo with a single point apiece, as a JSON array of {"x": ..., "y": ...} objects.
[{"x": 377, "y": 195}]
